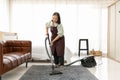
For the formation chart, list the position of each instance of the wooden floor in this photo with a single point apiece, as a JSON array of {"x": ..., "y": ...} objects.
[{"x": 106, "y": 69}]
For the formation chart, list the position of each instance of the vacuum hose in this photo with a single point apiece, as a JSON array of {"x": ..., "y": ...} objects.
[
  {"x": 47, "y": 38},
  {"x": 86, "y": 62}
]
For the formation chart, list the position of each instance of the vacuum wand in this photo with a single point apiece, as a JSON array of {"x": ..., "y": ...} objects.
[{"x": 54, "y": 72}]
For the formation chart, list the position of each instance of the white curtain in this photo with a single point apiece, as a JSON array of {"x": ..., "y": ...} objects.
[
  {"x": 4, "y": 15},
  {"x": 28, "y": 18}
]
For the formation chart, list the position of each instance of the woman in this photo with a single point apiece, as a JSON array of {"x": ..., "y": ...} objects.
[{"x": 57, "y": 39}]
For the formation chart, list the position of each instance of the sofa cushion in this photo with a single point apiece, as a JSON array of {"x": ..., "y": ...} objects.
[
  {"x": 7, "y": 64},
  {"x": 12, "y": 60},
  {"x": 17, "y": 57}
]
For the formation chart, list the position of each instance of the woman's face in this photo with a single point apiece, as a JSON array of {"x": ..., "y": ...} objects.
[{"x": 54, "y": 18}]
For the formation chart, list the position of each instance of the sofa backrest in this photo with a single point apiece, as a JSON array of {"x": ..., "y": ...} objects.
[
  {"x": 6, "y": 49},
  {"x": 16, "y": 46}
]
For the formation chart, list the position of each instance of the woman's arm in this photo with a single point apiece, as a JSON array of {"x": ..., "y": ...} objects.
[
  {"x": 60, "y": 33},
  {"x": 56, "y": 38},
  {"x": 47, "y": 31},
  {"x": 48, "y": 25}
]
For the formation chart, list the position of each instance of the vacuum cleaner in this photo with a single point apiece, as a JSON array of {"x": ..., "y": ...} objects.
[
  {"x": 88, "y": 61},
  {"x": 53, "y": 72}
]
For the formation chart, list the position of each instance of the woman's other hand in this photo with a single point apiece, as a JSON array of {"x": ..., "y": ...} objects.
[{"x": 51, "y": 44}]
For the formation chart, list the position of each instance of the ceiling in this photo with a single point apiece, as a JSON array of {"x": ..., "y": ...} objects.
[{"x": 103, "y": 3}]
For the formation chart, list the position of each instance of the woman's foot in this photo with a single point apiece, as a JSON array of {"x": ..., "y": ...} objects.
[
  {"x": 56, "y": 66},
  {"x": 61, "y": 66}
]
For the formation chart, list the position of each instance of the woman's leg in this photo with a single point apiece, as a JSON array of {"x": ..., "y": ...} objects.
[
  {"x": 61, "y": 60},
  {"x": 56, "y": 58}
]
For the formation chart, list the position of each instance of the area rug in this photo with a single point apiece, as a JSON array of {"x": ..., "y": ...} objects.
[{"x": 42, "y": 72}]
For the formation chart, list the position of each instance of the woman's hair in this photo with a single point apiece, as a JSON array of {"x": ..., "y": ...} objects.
[{"x": 58, "y": 15}]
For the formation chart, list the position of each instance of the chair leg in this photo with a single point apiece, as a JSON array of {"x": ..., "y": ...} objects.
[
  {"x": 87, "y": 47},
  {"x": 79, "y": 49}
]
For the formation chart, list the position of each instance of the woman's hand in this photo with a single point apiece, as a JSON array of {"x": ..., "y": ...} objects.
[
  {"x": 47, "y": 34},
  {"x": 56, "y": 38},
  {"x": 51, "y": 44}
]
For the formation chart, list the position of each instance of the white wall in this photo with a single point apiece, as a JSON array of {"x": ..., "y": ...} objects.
[
  {"x": 118, "y": 30},
  {"x": 114, "y": 31}
]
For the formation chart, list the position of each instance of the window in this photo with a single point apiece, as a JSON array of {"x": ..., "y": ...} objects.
[{"x": 28, "y": 19}]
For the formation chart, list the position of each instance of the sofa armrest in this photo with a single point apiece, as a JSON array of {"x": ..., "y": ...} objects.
[{"x": 1, "y": 58}]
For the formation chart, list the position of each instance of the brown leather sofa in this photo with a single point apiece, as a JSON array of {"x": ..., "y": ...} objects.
[{"x": 13, "y": 53}]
